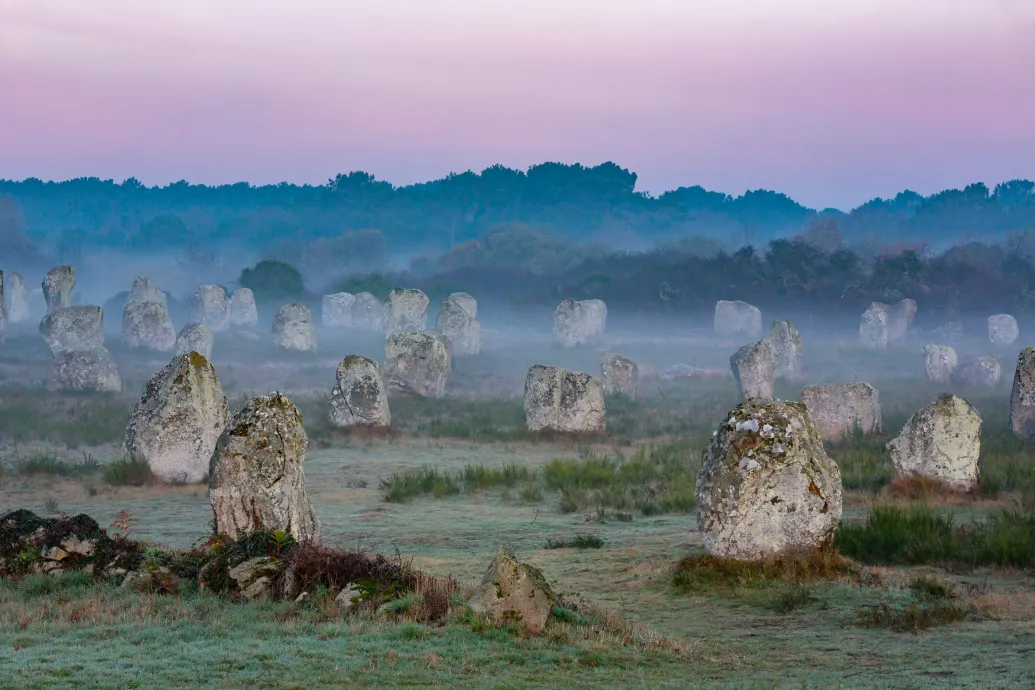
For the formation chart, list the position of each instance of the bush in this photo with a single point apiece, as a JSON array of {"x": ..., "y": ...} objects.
[{"x": 273, "y": 281}]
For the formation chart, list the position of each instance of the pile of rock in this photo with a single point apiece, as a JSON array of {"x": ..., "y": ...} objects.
[{"x": 563, "y": 401}]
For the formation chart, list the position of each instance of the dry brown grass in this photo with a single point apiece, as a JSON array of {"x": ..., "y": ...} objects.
[
  {"x": 926, "y": 489},
  {"x": 701, "y": 571},
  {"x": 1002, "y": 606}
]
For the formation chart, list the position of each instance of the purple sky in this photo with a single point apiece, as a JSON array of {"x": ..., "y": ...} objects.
[{"x": 831, "y": 102}]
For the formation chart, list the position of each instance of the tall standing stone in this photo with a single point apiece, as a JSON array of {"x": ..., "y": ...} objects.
[
  {"x": 243, "y": 312},
  {"x": 941, "y": 441},
  {"x": 417, "y": 363},
  {"x": 787, "y": 350},
  {"x": 143, "y": 290},
  {"x": 405, "y": 310},
  {"x": 175, "y": 426},
  {"x": 840, "y": 409},
  {"x": 466, "y": 302},
  {"x": 565, "y": 401},
  {"x": 873, "y": 329},
  {"x": 73, "y": 328},
  {"x": 619, "y": 375},
  {"x": 579, "y": 322},
  {"x": 737, "y": 318},
  {"x": 1002, "y": 329},
  {"x": 336, "y": 310},
  {"x": 195, "y": 337},
  {"x": 147, "y": 325},
  {"x": 900, "y": 317},
  {"x": 359, "y": 397},
  {"x": 256, "y": 480},
  {"x": 939, "y": 362},
  {"x": 17, "y": 298},
  {"x": 57, "y": 288},
  {"x": 983, "y": 372},
  {"x": 753, "y": 369},
  {"x": 210, "y": 306},
  {"x": 1022, "y": 398},
  {"x": 368, "y": 313},
  {"x": 90, "y": 369},
  {"x": 463, "y": 331},
  {"x": 293, "y": 328}
]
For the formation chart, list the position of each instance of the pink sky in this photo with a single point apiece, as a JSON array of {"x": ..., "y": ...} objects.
[{"x": 831, "y": 102}]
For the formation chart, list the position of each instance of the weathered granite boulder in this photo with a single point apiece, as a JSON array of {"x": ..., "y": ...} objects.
[
  {"x": 256, "y": 480},
  {"x": 147, "y": 325},
  {"x": 873, "y": 329},
  {"x": 417, "y": 363},
  {"x": 16, "y": 296},
  {"x": 900, "y": 316},
  {"x": 57, "y": 288},
  {"x": 767, "y": 487},
  {"x": 787, "y": 351},
  {"x": 144, "y": 290},
  {"x": 466, "y": 302},
  {"x": 941, "y": 441},
  {"x": 91, "y": 369},
  {"x": 1002, "y": 329},
  {"x": 243, "y": 312},
  {"x": 405, "y": 311},
  {"x": 579, "y": 323},
  {"x": 596, "y": 313},
  {"x": 210, "y": 305},
  {"x": 839, "y": 409},
  {"x": 336, "y": 310},
  {"x": 195, "y": 337},
  {"x": 294, "y": 329},
  {"x": 463, "y": 331},
  {"x": 1022, "y": 397},
  {"x": 359, "y": 397},
  {"x": 564, "y": 401},
  {"x": 514, "y": 592},
  {"x": 983, "y": 372},
  {"x": 368, "y": 313},
  {"x": 737, "y": 318},
  {"x": 179, "y": 418},
  {"x": 73, "y": 328},
  {"x": 753, "y": 369},
  {"x": 619, "y": 375},
  {"x": 939, "y": 362}
]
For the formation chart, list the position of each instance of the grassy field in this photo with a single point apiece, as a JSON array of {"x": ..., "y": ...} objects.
[{"x": 610, "y": 519}]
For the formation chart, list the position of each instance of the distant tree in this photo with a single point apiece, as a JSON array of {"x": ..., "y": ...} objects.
[
  {"x": 273, "y": 281},
  {"x": 162, "y": 232}
]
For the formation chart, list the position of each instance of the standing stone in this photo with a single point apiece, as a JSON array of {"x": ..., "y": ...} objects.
[
  {"x": 1022, "y": 398},
  {"x": 463, "y": 331},
  {"x": 900, "y": 316},
  {"x": 839, "y": 409},
  {"x": 873, "y": 329},
  {"x": 179, "y": 418},
  {"x": 579, "y": 323},
  {"x": 73, "y": 328},
  {"x": 939, "y": 362},
  {"x": 466, "y": 302},
  {"x": 243, "y": 312},
  {"x": 417, "y": 363},
  {"x": 565, "y": 401},
  {"x": 148, "y": 325},
  {"x": 596, "y": 314},
  {"x": 195, "y": 337},
  {"x": 767, "y": 487},
  {"x": 256, "y": 480},
  {"x": 753, "y": 369},
  {"x": 514, "y": 593},
  {"x": 368, "y": 313},
  {"x": 336, "y": 310},
  {"x": 210, "y": 306},
  {"x": 1002, "y": 329},
  {"x": 359, "y": 397},
  {"x": 17, "y": 296},
  {"x": 941, "y": 441},
  {"x": 144, "y": 290},
  {"x": 786, "y": 350},
  {"x": 737, "y": 318},
  {"x": 90, "y": 369},
  {"x": 405, "y": 310},
  {"x": 293, "y": 328},
  {"x": 57, "y": 288},
  {"x": 983, "y": 372},
  {"x": 619, "y": 375}
]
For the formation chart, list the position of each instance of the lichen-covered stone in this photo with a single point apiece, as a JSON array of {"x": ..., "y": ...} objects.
[
  {"x": 405, "y": 311},
  {"x": 256, "y": 482},
  {"x": 57, "y": 288},
  {"x": 1022, "y": 397},
  {"x": 839, "y": 409},
  {"x": 175, "y": 426},
  {"x": 195, "y": 337},
  {"x": 873, "y": 329},
  {"x": 939, "y": 362},
  {"x": 466, "y": 302},
  {"x": 737, "y": 318},
  {"x": 941, "y": 441},
  {"x": 417, "y": 363},
  {"x": 91, "y": 369},
  {"x": 463, "y": 331},
  {"x": 787, "y": 351},
  {"x": 144, "y": 290},
  {"x": 767, "y": 487},
  {"x": 565, "y": 401},
  {"x": 1002, "y": 329},
  {"x": 210, "y": 305},
  {"x": 147, "y": 325},
  {"x": 243, "y": 312},
  {"x": 983, "y": 372},
  {"x": 294, "y": 329},
  {"x": 619, "y": 375},
  {"x": 753, "y": 368},
  {"x": 579, "y": 323},
  {"x": 514, "y": 592},
  {"x": 899, "y": 317},
  {"x": 73, "y": 328},
  {"x": 16, "y": 297},
  {"x": 336, "y": 310},
  {"x": 368, "y": 313},
  {"x": 359, "y": 397}
]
